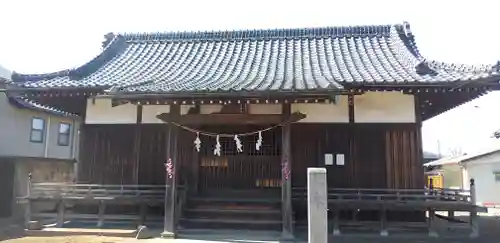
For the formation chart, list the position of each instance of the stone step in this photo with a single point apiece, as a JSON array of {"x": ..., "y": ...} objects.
[
  {"x": 233, "y": 213},
  {"x": 199, "y": 223},
  {"x": 224, "y": 201},
  {"x": 228, "y": 193}
]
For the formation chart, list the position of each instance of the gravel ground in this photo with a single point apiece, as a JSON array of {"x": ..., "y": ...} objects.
[
  {"x": 489, "y": 231},
  {"x": 67, "y": 239}
]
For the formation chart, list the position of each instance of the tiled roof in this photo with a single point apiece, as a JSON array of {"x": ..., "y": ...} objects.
[
  {"x": 259, "y": 60},
  {"x": 496, "y": 134},
  {"x": 465, "y": 158},
  {"x": 21, "y": 102}
]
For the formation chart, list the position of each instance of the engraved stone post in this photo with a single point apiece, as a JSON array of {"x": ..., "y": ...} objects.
[
  {"x": 317, "y": 205},
  {"x": 473, "y": 213}
]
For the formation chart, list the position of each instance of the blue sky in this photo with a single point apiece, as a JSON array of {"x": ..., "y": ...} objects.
[{"x": 45, "y": 36}]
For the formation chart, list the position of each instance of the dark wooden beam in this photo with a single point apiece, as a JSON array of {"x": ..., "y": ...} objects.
[
  {"x": 418, "y": 137},
  {"x": 286, "y": 177},
  {"x": 227, "y": 119},
  {"x": 137, "y": 143},
  {"x": 350, "y": 102},
  {"x": 81, "y": 142},
  {"x": 169, "y": 230}
]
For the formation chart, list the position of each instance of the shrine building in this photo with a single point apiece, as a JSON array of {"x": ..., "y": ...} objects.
[{"x": 229, "y": 121}]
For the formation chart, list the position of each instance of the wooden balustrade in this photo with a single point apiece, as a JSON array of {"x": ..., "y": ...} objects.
[
  {"x": 65, "y": 194},
  {"x": 430, "y": 200},
  {"x": 96, "y": 191},
  {"x": 388, "y": 195}
]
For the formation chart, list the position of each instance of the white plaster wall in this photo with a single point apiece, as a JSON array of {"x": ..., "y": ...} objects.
[
  {"x": 264, "y": 108},
  {"x": 208, "y": 109},
  {"x": 371, "y": 107},
  {"x": 149, "y": 113},
  {"x": 487, "y": 189},
  {"x": 100, "y": 111},
  {"x": 324, "y": 112},
  {"x": 384, "y": 107}
]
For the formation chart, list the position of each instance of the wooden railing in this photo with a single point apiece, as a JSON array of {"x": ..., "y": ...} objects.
[
  {"x": 430, "y": 200},
  {"x": 362, "y": 194},
  {"x": 64, "y": 194},
  {"x": 95, "y": 191}
]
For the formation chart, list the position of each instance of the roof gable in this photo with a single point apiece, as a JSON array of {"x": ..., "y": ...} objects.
[
  {"x": 466, "y": 158},
  {"x": 259, "y": 60},
  {"x": 24, "y": 103}
]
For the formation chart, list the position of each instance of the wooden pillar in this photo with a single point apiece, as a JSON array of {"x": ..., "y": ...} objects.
[
  {"x": 137, "y": 145},
  {"x": 418, "y": 181},
  {"x": 473, "y": 213},
  {"x": 27, "y": 210},
  {"x": 60, "y": 213},
  {"x": 286, "y": 177},
  {"x": 431, "y": 224},
  {"x": 336, "y": 221},
  {"x": 383, "y": 222},
  {"x": 169, "y": 229},
  {"x": 350, "y": 102},
  {"x": 101, "y": 212},
  {"x": 143, "y": 210},
  {"x": 82, "y": 175}
]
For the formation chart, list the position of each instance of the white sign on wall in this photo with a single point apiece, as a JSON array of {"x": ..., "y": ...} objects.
[
  {"x": 340, "y": 159},
  {"x": 328, "y": 159}
]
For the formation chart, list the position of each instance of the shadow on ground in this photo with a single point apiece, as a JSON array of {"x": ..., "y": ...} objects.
[{"x": 489, "y": 233}]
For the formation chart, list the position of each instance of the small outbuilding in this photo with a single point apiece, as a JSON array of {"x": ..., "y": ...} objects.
[{"x": 483, "y": 166}]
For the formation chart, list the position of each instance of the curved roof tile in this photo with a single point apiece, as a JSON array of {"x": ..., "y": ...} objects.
[{"x": 258, "y": 60}]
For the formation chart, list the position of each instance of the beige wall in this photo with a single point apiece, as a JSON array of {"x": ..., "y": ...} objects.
[
  {"x": 15, "y": 124},
  {"x": 370, "y": 107},
  {"x": 452, "y": 176}
]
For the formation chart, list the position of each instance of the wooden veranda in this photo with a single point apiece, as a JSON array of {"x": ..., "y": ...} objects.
[{"x": 345, "y": 206}]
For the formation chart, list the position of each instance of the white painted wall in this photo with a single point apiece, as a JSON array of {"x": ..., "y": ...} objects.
[
  {"x": 452, "y": 176},
  {"x": 324, "y": 113},
  {"x": 487, "y": 189},
  {"x": 149, "y": 113},
  {"x": 99, "y": 111},
  {"x": 371, "y": 107},
  {"x": 384, "y": 107}
]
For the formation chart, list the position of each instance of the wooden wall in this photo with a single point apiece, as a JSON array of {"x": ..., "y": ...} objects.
[{"x": 376, "y": 155}]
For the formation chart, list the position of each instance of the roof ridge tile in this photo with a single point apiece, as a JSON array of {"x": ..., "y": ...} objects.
[
  {"x": 258, "y": 60},
  {"x": 259, "y": 34}
]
